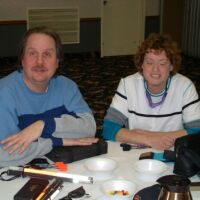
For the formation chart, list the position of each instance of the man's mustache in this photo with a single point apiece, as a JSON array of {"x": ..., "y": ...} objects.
[{"x": 39, "y": 68}]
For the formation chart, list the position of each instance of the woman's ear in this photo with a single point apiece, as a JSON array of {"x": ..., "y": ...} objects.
[{"x": 171, "y": 67}]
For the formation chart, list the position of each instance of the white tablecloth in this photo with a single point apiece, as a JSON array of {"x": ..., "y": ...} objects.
[{"x": 125, "y": 160}]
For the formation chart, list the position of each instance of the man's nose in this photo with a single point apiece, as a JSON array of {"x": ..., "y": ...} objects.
[{"x": 40, "y": 59}]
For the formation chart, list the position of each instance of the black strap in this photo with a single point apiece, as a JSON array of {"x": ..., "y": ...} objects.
[
  {"x": 193, "y": 156},
  {"x": 2, "y": 178}
]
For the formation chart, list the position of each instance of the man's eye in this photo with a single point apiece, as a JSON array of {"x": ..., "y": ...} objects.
[
  {"x": 32, "y": 53},
  {"x": 47, "y": 54}
]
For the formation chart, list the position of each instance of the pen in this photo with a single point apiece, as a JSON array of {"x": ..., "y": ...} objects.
[
  {"x": 53, "y": 194},
  {"x": 42, "y": 194},
  {"x": 55, "y": 184},
  {"x": 55, "y": 187},
  {"x": 47, "y": 189}
]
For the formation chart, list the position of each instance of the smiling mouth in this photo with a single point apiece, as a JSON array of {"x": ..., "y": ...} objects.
[{"x": 155, "y": 76}]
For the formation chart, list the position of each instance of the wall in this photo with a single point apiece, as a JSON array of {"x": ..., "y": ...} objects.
[
  {"x": 9, "y": 9},
  {"x": 16, "y": 10},
  {"x": 11, "y": 35},
  {"x": 13, "y": 22},
  {"x": 152, "y": 7}
]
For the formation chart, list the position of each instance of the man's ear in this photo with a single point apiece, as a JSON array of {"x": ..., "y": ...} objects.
[
  {"x": 171, "y": 67},
  {"x": 58, "y": 63}
]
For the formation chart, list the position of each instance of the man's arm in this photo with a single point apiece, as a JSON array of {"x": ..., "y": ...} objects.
[
  {"x": 70, "y": 127},
  {"x": 22, "y": 147},
  {"x": 20, "y": 141},
  {"x": 35, "y": 150}
]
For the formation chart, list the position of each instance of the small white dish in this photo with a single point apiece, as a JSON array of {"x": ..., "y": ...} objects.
[
  {"x": 101, "y": 168},
  {"x": 149, "y": 170},
  {"x": 118, "y": 189}
]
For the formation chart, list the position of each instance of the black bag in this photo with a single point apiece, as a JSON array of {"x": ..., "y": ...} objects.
[
  {"x": 70, "y": 154},
  {"x": 187, "y": 150},
  {"x": 148, "y": 193}
]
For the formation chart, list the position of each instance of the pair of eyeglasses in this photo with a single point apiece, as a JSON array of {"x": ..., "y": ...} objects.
[
  {"x": 128, "y": 147},
  {"x": 77, "y": 193}
]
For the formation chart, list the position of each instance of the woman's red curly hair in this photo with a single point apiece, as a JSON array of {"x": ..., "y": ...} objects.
[{"x": 158, "y": 43}]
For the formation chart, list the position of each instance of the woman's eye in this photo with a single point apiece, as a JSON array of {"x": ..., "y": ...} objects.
[
  {"x": 149, "y": 63},
  {"x": 163, "y": 64}
]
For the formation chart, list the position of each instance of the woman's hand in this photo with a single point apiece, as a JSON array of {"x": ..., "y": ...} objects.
[
  {"x": 156, "y": 140},
  {"x": 21, "y": 141},
  {"x": 79, "y": 141},
  {"x": 161, "y": 141}
]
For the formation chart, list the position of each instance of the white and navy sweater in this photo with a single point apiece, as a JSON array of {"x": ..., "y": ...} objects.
[{"x": 130, "y": 107}]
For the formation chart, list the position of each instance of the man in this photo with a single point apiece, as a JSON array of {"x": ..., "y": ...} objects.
[{"x": 39, "y": 110}]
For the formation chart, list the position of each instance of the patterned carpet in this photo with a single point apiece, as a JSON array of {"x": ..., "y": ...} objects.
[{"x": 98, "y": 77}]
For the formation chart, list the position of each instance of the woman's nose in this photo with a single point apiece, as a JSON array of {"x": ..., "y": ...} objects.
[{"x": 155, "y": 66}]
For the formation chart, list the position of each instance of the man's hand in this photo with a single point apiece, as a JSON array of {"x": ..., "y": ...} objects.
[
  {"x": 21, "y": 141},
  {"x": 79, "y": 141}
]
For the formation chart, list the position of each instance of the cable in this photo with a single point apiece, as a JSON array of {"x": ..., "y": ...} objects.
[{"x": 8, "y": 179}]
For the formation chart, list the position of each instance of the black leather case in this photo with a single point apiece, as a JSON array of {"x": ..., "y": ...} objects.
[
  {"x": 74, "y": 153},
  {"x": 32, "y": 189}
]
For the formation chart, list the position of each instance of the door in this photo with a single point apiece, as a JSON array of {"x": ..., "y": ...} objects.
[
  {"x": 122, "y": 26},
  {"x": 172, "y": 18}
]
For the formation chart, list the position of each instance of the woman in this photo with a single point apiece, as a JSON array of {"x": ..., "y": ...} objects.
[{"x": 156, "y": 105}]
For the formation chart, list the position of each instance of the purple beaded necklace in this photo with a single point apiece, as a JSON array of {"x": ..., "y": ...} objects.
[{"x": 163, "y": 93}]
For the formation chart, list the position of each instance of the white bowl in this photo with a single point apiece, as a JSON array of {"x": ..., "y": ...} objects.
[
  {"x": 100, "y": 168},
  {"x": 114, "y": 189},
  {"x": 149, "y": 169}
]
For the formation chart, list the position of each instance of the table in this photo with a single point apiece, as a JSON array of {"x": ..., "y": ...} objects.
[{"x": 125, "y": 160}]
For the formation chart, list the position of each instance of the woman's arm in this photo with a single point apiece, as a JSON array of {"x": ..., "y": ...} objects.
[{"x": 156, "y": 140}]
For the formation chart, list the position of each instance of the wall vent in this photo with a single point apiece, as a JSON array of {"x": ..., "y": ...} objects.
[{"x": 65, "y": 21}]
